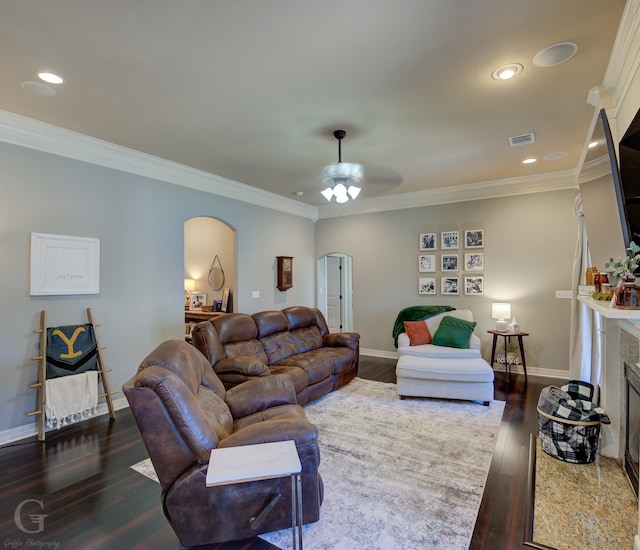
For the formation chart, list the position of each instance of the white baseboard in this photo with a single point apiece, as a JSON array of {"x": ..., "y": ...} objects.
[
  {"x": 379, "y": 353},
  {"x": 636, "y": 542},
  {"x": 533, "y": 371},
  {"x": 30, "y": 430}
]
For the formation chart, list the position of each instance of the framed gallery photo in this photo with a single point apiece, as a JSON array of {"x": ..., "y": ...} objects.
[
  {"x": 426, "y": 263},
  {"x": 450, "y": 240},
  {"x": 474, "y": 285},
  {"x": 226, "y": 301},
  {"x": 64, "y": 265},
  {"x": 426, "y": 285},
  {"x": 449, "y": 262},
  {"x": 450, "y": 285},
  {"x": 197, "y": 300},
  {"x": 474, "y": 238},
  {"x": 428, "y": 241},
  {"x": 474, "y": 261}
]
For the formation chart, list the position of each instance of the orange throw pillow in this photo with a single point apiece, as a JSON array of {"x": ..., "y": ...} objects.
[{"x": 418, "y": 332}]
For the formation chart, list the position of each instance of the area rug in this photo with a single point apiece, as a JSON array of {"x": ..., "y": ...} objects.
[
  {"x": 580, "y": 505},
  {"x": 398, "y": 474}
]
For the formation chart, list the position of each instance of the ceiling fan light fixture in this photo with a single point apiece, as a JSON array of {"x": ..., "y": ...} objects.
[
  {"x": 327, "y": 193},
  {"x": 342, "y": 177}
]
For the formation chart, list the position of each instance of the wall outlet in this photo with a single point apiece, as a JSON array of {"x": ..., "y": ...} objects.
[
  {"x": 563, "y": 294},
  {"x": 255, "y": 294}
]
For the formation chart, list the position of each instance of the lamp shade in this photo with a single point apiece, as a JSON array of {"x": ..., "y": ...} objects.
[
  {"x": 501, "y": 310},
  {"x": 189, "y": 285}
]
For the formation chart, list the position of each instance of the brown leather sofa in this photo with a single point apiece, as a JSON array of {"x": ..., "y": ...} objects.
[
  {"x": 183, "y": 411},
  {"x": 294, "y": 341}
]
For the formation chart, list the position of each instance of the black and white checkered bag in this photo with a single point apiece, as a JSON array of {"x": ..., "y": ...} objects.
[{"x": 569, "y": 422}]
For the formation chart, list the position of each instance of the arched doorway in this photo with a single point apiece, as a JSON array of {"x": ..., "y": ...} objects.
[
  {"x": 206, "y": 239},
  {"x": 335, "y": 291}
]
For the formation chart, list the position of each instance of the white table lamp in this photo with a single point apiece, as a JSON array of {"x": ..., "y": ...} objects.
[{"x": 501, "y": 311}]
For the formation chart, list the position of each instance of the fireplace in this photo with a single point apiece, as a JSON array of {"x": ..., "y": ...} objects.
[{"x": 632, "y": 426}]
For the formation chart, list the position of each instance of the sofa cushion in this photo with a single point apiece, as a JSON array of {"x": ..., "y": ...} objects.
[
  {"x": 270, "y": 322},
  {"x": 439, "y": 352},
  {"x": 318, "y": 364},
  {"x": 453, "y": 333},
  {"x": 418, "y": 332}
]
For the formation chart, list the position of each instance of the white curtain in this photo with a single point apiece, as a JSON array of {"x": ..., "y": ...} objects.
[{"x": 584, "y": 345}]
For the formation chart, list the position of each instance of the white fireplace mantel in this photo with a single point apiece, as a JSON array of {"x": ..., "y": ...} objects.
[{"x": 611, "y": 369}]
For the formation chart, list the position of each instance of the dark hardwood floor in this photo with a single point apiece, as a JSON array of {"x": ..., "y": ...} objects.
[{"x": 92, "y": 499}]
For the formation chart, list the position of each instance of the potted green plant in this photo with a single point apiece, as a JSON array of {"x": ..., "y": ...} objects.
[
  {"x": 512, "y": 353},
  {"x": 623, "y": 269},
  {"x": 626, "y": 295}
]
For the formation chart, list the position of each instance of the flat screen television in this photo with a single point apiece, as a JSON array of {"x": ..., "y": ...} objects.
[
  {"x": 603, "y": 199},
  {"x": 629, "y": 150}
]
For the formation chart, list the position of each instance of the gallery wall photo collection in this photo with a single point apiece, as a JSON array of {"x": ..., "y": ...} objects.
[{"x": 443, "y": 253}]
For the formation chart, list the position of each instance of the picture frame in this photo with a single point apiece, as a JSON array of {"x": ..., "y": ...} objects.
[
  {"x": 427, "y": 285},
  {"x": 449, "y": 262},
  {"x": 474, "y": 261},
  {"x": 197, "y": 300},
  {"x": 474, "y": 285},
  {"x": 474, "y": 238},
  {"x": 450, "y": 240},
  {"x": 64, "y": 265},
  {"x": 428, "y": 241},
  {"x": 449, "y": 285},
  {"x": 226, "y": 297},
  {"x": 426, "y": 263}
]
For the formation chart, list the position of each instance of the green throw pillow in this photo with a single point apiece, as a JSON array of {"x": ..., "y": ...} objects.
[{"x": 453, "y": 333}]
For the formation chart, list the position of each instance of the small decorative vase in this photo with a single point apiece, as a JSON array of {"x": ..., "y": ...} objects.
[{"x": 627, "y": 296}]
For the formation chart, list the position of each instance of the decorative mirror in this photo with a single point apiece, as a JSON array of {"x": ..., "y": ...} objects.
[{"x": 216, "y": 274}]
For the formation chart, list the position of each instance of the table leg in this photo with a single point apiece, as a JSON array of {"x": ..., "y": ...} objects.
[
  {"x": 524, "y": 363},
  {"x": 493, "y": 349},
  {"x": 299, "y": 505},
  {"x": 296, "y": 510}
]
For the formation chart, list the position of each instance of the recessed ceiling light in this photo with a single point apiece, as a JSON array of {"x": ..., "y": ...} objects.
[
  {"x": 593, "y": 144},
  {"x": 507, "y": 71},
  {"x": 38, "y": 88},
  {"x": 555, "y": 156},
  {"x": 555, "y": 54},
  {"x": 50, "y": 78},
  {"x": 529, "y": 161}
]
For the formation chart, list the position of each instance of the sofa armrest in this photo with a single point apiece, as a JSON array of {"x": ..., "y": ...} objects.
[
  {"x": 247, "y": 366},
  {"x": 474, "y": 342},
  {"x": 403, "y": 340},
  {"x": 259, "y": 394},
  {"x": 342, "y": 339}
]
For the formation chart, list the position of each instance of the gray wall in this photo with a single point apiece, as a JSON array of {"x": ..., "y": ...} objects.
[
  {"x": 529, "y": 249},
  {"x": 140, "y": 224}
]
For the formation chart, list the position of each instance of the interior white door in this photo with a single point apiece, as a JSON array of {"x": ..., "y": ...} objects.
[{"x": 335, "y": 308}]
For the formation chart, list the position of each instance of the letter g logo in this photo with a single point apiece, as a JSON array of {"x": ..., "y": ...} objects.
[{"x": 37, "y": 519}]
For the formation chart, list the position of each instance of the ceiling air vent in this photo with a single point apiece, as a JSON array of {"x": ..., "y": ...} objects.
[{"x": 524, "y": 139}]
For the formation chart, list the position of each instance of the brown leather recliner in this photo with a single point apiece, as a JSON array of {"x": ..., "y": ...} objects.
[{"x": 183, "y": 411}]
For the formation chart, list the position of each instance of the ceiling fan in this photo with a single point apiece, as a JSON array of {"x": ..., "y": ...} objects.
[
  {"x": 345, "y": 180},
  {"x": 342, "y": 178}
]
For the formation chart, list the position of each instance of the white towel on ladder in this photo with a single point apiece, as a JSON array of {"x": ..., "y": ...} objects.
[{"x": 71, "y": 398}]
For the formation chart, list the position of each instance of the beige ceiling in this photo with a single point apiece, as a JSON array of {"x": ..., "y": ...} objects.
[{"x": 251, "y": 90}]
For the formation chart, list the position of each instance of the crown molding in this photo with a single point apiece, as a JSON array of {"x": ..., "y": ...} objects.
[
  {"x": 460, "y": 193},
  {"x": 33, "y": 134},
  {"x": 625, "y": 56}
]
